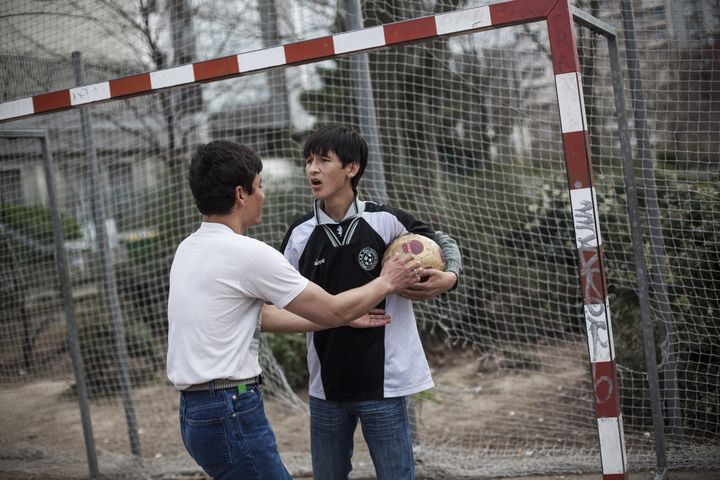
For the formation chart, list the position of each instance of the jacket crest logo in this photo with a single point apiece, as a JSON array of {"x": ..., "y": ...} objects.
[{"x": 368, "y": 258}]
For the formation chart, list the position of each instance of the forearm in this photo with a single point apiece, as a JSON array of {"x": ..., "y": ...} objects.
[
  {"x": 449, "y": 247},
  {"x": 354, "y": 303},
  {"x": 318, "y": 306},
  {"x": 278, "y": 320}
]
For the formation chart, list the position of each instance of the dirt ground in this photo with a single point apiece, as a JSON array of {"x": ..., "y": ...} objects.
[
  {"x": 42, "y": 436},
  {"x": 632, "y": 476}
]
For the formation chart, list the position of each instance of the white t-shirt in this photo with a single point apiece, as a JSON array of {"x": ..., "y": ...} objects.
[{"x": 219, "y": 281}]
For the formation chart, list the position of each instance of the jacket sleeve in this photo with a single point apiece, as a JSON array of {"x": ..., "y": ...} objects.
[{"x": 453, "y": 258}]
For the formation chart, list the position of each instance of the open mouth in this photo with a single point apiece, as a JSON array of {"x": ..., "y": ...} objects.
[{"x": 315, "y": 182}]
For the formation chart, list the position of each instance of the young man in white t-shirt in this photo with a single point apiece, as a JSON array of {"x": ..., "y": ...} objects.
[{"x": 220, "y": 280}]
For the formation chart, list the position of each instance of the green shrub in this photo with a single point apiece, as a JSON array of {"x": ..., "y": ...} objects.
[
  {"x": 691, "y": 228},
  {"x": 36, "y": 222},
  {"x": 289, "y": 349},
  {"x": 27, "y": 254}
]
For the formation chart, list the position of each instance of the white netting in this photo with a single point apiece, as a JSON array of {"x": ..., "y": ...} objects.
[{"x": 470, "y": 143}]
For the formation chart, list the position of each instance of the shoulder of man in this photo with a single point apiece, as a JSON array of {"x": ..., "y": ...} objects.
[
  {"x": 295, "y": 224},
  {"x": 408, "y": 220},
  {"x": 372, "y": 207}
]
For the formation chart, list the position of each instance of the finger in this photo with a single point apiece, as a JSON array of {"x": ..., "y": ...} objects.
[
  {"x": 379, "y": 321},
  {"x": 414, "y": 294},
  {"x": 418, "y": 291},
  {"x": 406, "y": 258},
  {"x": 417, "y": 287},
  {"x": 407, "y": 293}
]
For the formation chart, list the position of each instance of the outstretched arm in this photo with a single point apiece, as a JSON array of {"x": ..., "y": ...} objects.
[
  {"x": 318, "y": 306},
  {"x": 282, "y": 321}
]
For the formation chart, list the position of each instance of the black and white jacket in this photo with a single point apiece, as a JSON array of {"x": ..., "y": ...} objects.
[{"x": 350, "y": 364}]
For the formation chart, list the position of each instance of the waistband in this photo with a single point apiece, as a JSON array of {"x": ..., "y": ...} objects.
[{"x": 221, "y": 383}]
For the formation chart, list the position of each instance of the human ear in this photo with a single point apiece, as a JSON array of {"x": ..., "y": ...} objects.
[{"x": 354, "y": 168}]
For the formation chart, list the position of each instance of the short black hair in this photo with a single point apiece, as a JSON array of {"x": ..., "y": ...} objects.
[
  {"x": 216, "y": 169},
  {"x": 344, "y": 142}
]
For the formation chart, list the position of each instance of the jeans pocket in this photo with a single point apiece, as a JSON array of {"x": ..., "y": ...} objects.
[
  {"x": 248, "y": 402},
  {"x": 205, "y": 438}
]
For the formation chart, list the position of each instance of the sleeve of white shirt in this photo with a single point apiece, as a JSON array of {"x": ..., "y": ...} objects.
[{"x": 269, "y": 276}]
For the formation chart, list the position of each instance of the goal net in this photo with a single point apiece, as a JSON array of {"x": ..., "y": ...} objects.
[{"x": 468, "y": 139}]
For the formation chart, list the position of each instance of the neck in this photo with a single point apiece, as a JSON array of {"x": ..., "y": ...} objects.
[
  {"x": 337, "y": 206},
  {"x": 231, "y": 221}
]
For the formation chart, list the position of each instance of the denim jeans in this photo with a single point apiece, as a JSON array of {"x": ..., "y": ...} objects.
[
  {"x": 385, "y": 427},
  {"x": 229, "y": 436}
]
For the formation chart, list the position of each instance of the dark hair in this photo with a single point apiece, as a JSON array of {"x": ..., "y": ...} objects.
[
  {"x": 345, "y": 142},
  {"x": 216, "y": 169}
]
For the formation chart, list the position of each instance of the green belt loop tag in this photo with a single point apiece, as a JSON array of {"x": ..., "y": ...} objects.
[{"x": 242, "y": 388}]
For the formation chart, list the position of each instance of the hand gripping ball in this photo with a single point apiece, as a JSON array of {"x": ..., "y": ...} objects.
[{"x": 419, "y": 246}]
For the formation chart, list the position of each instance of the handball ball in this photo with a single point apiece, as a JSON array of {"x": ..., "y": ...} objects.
[{"x": 419, "y": 246}]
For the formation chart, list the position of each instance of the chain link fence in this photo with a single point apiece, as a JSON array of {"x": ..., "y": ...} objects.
[{"x": 468, "y": 137}]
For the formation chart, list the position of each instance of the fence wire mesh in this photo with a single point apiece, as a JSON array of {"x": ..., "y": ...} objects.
[{"x": 470, "y": 140}]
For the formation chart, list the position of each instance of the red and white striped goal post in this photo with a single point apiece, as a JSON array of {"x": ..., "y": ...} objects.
[{"x": 573, "y": 121}]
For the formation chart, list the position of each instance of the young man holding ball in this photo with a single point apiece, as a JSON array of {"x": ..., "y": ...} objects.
[{"x": 360, "y": 375}]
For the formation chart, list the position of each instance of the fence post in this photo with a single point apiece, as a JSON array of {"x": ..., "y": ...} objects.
[
  {"x": 639, "y": 254},
  {"x": 108, "y": 271},
  {"x": 65, "y": 287},
  {"x": 363, "y": 93},
  {"x": 657, "y": 251}
]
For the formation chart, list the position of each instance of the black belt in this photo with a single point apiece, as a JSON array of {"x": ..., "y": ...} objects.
[{"x": 224, "y": 383}]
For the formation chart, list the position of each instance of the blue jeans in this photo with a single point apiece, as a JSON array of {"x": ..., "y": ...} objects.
[
  {"x": 385, "y": 427},
  {"x": 229, "y": 436}
]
